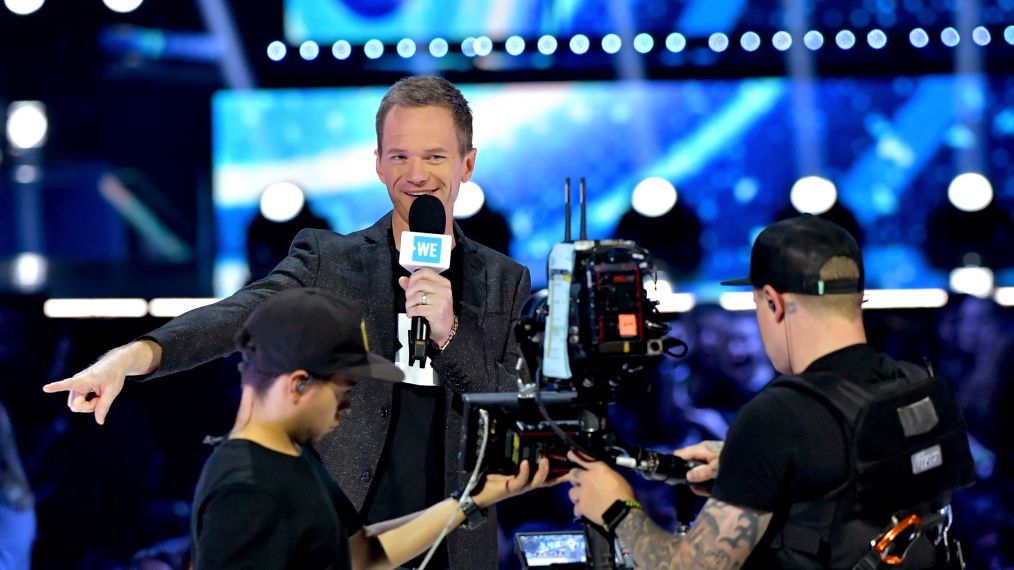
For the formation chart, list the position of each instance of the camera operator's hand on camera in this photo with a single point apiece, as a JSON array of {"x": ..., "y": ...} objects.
[
  {"x": 595, "y": 487},
  {"x": 499, "y": 487},
  {"x": 706, "y": 452}
]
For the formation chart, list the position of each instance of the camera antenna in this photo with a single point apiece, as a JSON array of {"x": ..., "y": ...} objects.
[
  {"x": 584, "y": 225},
  {"x": 566, "y": 210}
]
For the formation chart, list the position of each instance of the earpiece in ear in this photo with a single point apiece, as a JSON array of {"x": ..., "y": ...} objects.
[
  {"x": 771, "y": 305},
  {"x": 301, "y": 387}
]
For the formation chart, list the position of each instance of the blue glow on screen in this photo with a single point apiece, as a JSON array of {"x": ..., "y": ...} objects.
[{"x": 727, "y": 146}]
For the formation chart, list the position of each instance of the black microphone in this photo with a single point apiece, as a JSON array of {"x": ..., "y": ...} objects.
[{"x": 426, "y": 216}]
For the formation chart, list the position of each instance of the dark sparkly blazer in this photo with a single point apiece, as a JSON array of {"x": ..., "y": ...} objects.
[{"x": 481, "y": 358}]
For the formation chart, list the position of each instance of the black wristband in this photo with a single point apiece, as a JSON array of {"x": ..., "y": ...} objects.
[
  {"x": 474, "y": 515},
  {"x": 616, "y": 512}
]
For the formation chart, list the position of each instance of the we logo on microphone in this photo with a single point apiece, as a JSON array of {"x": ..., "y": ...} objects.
[
  {"x": 426, "y": 249},
  {"x": 420, "y": 250}
]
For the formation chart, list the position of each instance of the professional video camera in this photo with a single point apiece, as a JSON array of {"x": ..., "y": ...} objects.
[{"x": 593, "y": 330}]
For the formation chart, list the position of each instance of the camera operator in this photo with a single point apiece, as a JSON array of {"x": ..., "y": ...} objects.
[{"x": 783, "y": 496}]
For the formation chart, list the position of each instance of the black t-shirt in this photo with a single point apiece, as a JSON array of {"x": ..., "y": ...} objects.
[
  {"x": 410, "y": 475},
  {"x": 785, "y": 447},
  {"x": 258, "y": 508}
]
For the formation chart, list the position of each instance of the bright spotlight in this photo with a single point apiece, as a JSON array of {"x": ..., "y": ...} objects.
[
  {"x": 23, "y": 7},
  {"x": 469, "y": 201},
  {"x": 970, "y": 192},
  {"x": 468, "y": 47},
  {"x": 919, "y": 38},
  {"x": 718, "y": 42},
  {"x": 309, "y": 50},
  {"x": 281, "y": 201},
  {"x": 750, "y": 41},
  {"x": 611, "y": 43},
  {"x": 406, "y": 48},
  {"x": 644, "y": 43},
  {"x": 675, "y": 42},
  {"x": 547, "y": 45},
  {"x": 877, "y": 39},
  {"x": 29, "y": 271},
  {"x": 27, "y": 124},
  {"x": 579, "y": 44},
  {"x": 975, "y": 281},
  {"x": 373, "y": 49},
  {"x": 276, "y": 50},
  {"x": 515, "y": 45},
  {"x": 813, "y": 195},
  {"x": 483, "y": 46},
  {"x": 341, "y": 50},
  {"x": 439, "y": 47},
  {"x": 1008, "y": 34},
  {"x": 781, "y": 40},
  {"x": 845, "y": 39},
  {"x": 950, "y": 37},
  {"x": 981, "y": 36},
  {"x": 653, "y": 197},
  {"x": 122, "y": 6},
  {"x": 26, "y": 174}
]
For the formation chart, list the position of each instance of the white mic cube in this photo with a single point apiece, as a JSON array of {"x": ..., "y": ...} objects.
[{"x": 420, "y": 250}]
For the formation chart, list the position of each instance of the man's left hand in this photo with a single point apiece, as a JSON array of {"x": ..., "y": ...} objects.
[
  {"x": 429, "y": 286},
  {"x": 595, "y": 487}
]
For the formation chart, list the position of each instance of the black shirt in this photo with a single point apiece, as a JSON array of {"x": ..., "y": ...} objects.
[
  {"x": 410, "y": 475},
  {"x": 258, "y": 508},
  {"x": 784, "y": 447}
]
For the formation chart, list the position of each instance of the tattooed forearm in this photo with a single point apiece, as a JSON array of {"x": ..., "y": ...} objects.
[{"x": 721, "y": 539}]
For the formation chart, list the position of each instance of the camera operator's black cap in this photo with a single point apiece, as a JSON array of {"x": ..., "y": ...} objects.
[
  {"x": 312, "y": 330},
  {"x": 789, "y": 254}
]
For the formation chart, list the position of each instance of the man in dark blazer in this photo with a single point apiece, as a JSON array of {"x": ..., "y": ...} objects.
[{"x": 424, "y": 131}]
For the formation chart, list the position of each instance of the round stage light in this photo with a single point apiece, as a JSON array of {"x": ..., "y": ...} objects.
[
  {"x": 122, "y": 6},
  {"x": 718, "y": 42},
  {"x": 1008, "y": 34},
  {"x": 781, "y": 40},
  {"x": 950, "y": 37},
  {"x": 970, "y": 192},
  {"x": 341, "y": 50},
  {"x": 515, "y": 45},
  {"x": 438, "y": 47},
  {"x": 750, "y": 41},
  {"x": 23, "y": 7},
  {"x": 579, "y": 44},
  {"x": 309, "y": 50},
  {"x": 975, "y": 281},
  {"x": 845, "y": 39},
  {"x": 277, "y": 50},
  {"x": 611, "y": 43},
  {"x": 27, "y": 124},
  {"x": 653, "y": 197},
  {"x": 919, "y": 38},
  {"x": 813, "y": 195},
  {"x": 468, "y": 47},
  {"x": 29, "y": 271},
  {"x": 406, "y": 48},
  {"x": 644, "y": 43},
  {"x": 281, "y": 201},
  {"x": 675, "y": 42},
  {"x": 813, "y": 40},
  {"x": 547, "y": 45},
  {"x": 373, "y": 49},
  {"x": 877, "y": 39},
  {"x": 981, "y": 36},
  {"x": 483, "y": 46},
  {"x": 469, "y": 201}
]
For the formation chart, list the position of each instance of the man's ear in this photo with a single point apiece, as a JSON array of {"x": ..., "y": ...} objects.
[
  {"x": 469, "y": 165},
  {"x": 296, "y": 382},
  {"x": 775, "y": 302},
  {"x": 380, "y": 173}
]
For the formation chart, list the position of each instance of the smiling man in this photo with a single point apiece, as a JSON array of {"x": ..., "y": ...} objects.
[{"x": 394, "y": 454}]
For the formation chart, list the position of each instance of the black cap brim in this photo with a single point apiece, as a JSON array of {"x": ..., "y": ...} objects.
[
  {"x": 737, "y": 282},
  {"x": 375, "y": 368}
]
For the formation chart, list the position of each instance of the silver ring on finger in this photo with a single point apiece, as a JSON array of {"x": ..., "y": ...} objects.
[{"x": 425, "y": 298}]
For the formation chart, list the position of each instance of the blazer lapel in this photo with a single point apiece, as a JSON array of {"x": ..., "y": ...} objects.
[
  {"x": 378, "y": 296},
  {"x": 473, "y": 291}
]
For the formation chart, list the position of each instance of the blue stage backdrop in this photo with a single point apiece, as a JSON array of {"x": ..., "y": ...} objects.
[{"x": 733, "y": 150}]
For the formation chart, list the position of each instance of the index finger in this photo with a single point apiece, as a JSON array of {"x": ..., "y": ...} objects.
[
  {"x": 577, "y": 459},
  {"x": 80, "y": 384}
]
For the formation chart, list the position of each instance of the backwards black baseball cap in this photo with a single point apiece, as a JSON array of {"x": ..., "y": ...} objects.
[
  {"x": 789, "y": 254},
  {"x": 312, "y": 330}
]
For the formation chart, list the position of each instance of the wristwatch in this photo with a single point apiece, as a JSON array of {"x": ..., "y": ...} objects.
[
  {"x": 474, "y": 515},
  {"x": 616, "y": 512}
]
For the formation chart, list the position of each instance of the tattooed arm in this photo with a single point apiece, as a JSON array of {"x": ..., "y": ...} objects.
[{"x": 722, "y": 538}]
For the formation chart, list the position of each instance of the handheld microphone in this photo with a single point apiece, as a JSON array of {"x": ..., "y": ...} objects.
[
  {"x": 424, "y": 245},
  {"x": 657, "y": 466}
]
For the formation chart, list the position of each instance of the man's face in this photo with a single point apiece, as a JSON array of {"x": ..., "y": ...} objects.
[
  {"x": 420, "y": 154},
  {"x": 328, "y": 400}
]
